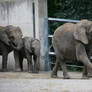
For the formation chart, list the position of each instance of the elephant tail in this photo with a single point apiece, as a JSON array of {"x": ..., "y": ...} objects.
[{"x": 48, "y": 49}]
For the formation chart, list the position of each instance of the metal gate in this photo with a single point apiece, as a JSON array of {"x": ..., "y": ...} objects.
[{"x": 49, "y": 36}]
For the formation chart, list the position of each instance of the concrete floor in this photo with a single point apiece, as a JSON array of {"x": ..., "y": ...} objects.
[{"x": 42, "y": 82}]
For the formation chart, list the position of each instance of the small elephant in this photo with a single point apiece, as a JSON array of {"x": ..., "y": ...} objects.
[
  {"x": 72, "y": 42},
  {"x": 10, "y": 39},
  {"x": 31, "y": 47}
]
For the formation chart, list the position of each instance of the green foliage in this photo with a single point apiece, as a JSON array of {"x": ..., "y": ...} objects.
[{"x": 70, "y": 9}]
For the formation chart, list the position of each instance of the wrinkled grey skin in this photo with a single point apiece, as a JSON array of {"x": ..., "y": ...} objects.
[
  {"x": 10, "y": 39},
  {"x": 72, "y": 42},
  {"x": 31, "y": 48}
]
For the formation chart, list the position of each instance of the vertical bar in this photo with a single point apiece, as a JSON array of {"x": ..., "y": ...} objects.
[
  {"x": 7, "y": 5},
  {"x": 33, "y": 7},
  {"x": 47, "y": 59}
]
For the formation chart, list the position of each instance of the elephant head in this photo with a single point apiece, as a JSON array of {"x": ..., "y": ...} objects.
[
  {"x": 83, "y": 31},
  {"x": 11, "y": 36}
]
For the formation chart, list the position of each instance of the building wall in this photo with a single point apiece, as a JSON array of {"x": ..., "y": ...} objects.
[
  {"x": 40, "y": 29},
  {"x": 19, "y": 13}
]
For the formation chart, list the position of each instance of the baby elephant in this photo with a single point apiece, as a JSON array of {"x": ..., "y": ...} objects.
[{"x": 31, "y": 48}]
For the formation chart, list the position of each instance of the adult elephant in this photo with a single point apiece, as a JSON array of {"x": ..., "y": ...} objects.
[
  {"x": 72, "y": 42},
  {"x": 10, "y": 38},
  {"x": 31, "y": 48}
]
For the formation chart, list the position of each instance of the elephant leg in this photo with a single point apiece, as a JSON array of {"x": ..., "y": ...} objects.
[
  {"x": 4, "y": 62},
  {"x": 84, "y": 76},
  {"x": 30, "y": 66},
  {"x": 29, "y": 60},
  {"x": 21, "y": 62},
  {"x": 17, "y": 62},
  {"x": 82, "y": 56},
  {"x": 64, "y": 68},
  {"x": 55, "y": 69},
  {"x": 36, "y": 64}
]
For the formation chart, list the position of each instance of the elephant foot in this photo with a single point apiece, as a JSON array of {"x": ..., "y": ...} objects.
[
  {"x": 4, "y": 70},
  {"x": 35, "y": 71},
  {"x": 21, "y": 70},
  {"x": 53, "y": 75},
  {"x": 67, "y": 77},
  {"x": 85, "y": 77},
  {"x": 29, "y": 71},
  {"x": 18, "y": 70}
]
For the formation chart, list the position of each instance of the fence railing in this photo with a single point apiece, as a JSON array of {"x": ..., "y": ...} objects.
[
  {"x": 62, "y": 20},
  {"x": 59, "y": 20},
  {"x": 50, "y": 36}
]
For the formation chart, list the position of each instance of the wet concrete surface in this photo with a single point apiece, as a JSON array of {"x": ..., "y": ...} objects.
[{"x": 42, "y": 82}]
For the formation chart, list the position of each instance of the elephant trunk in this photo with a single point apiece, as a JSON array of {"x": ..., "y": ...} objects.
[
  {"x": 20, "y": 45},
  {"x": 17, "y": 46}
]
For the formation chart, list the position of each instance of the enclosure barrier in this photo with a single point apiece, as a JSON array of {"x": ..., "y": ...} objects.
[
  {"x": 59, "y": 20},
  {"x": 47, "y": 58}
]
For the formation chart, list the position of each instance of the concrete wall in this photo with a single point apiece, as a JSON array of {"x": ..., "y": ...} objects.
[
  {"x": 19, "y": 13},
  {"x": 41, "y": 13}
]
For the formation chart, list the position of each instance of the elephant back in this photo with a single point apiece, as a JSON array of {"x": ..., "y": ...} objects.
[{"x": 27, "y": 42}]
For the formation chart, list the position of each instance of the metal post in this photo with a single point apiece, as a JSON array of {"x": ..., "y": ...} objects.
[
  {"x": 47, "y": 61},
  {"x": 33, "y": 7}
]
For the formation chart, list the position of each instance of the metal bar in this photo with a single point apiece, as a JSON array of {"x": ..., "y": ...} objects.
[
  {"x": 47, "y": 66},
  {"x": 33, "y": 10},
  {"x": 52, "y": 53},
  {"x": 63, "y": 20},
  {"x": 50, "y": 36},
  {"x": 72, "y": 65}
]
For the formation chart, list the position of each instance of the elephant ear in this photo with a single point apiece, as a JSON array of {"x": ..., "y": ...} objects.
[
  {"x": 3, "y": 35},
  {"x": 27, "y": 42},
  {"x": 80, "y": 33}
]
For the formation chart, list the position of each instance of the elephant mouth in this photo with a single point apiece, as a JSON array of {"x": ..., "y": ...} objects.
[{"x": 14, "y": 46}]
